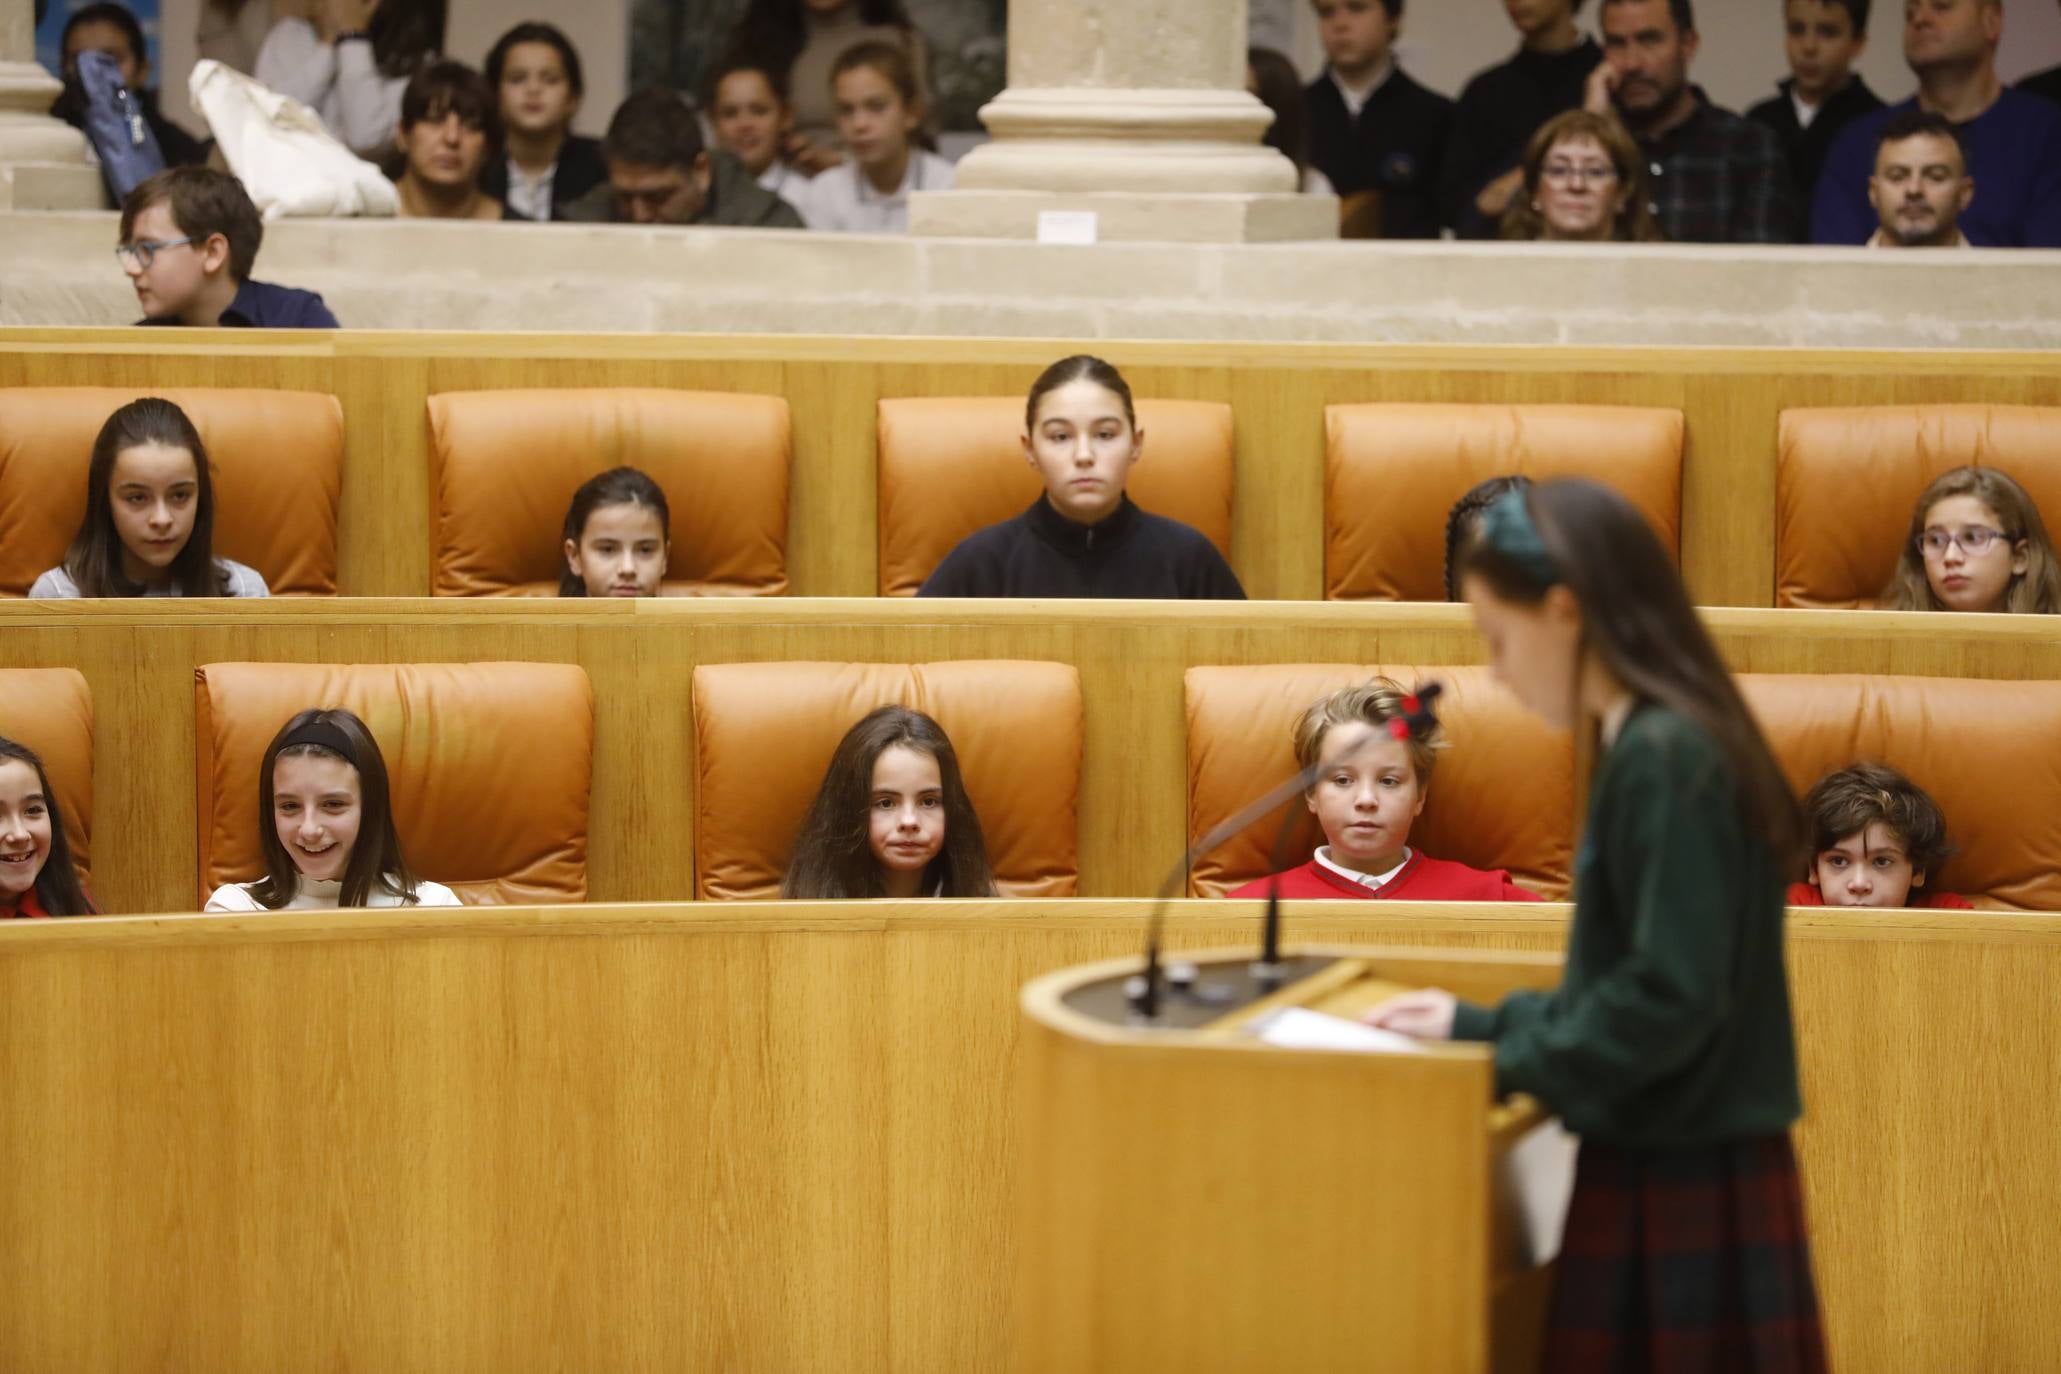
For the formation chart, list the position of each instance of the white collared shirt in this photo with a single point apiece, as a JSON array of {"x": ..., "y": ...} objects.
[
  {"x": 846, "y": 201},
  {"x": 530, "y": 196},
  {"x": 1356, "y": 97},
  {"x": 1876, "y": 240},
  {"x": 1373, "y": 882}
]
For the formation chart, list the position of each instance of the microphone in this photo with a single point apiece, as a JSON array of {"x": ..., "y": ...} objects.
[{"x": 1142, "y": 990}]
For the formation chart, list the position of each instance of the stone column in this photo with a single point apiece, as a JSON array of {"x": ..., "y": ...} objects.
[
  {"x": 1135, "y": 110},
  {"x": 43, "y": 162}
]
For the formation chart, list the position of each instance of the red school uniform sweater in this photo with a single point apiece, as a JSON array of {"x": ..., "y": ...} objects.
[
  {"x": 1807, "y": 894},
  {"x": 1423, "y": 879},
  {"x": 27, "y": 906}
]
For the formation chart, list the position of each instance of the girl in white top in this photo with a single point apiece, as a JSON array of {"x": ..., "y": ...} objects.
[
  {"x": 349, "y": 61},
  {"x": 879, "y": 112},
  {"x": 149, "y": 527},
  {"x": 326, "y": 828},
  {"x": 751, "y": 117}
]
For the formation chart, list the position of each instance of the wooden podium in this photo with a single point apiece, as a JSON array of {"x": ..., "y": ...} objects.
[{"x": 1190, "y": 1197}]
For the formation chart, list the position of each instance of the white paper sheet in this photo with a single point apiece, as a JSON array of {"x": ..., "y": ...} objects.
[{"x": 1299, "y": 1028}]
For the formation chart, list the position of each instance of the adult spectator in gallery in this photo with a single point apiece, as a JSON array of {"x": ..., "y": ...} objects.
[
  {"x": 801, "y": 41},
  {"x": 534, "y": 72},
  {"x": 1584, "y": 182},
  {"x": 350, "y": 60},
  {"x": 2046, "y": 84},
  {"x": 1372, "y": 128},
  {"x": 1921, "y": 185},
  {"x": 660, "y": 172},
  {"x": 1823, "y": 93},
  {"x": 113, "y": 30},
  {"x": 1502, "y": 107},
  {"x": 2012, "y": 138},
  {"x": 448, "y": 134},
  {"x": 1717, "y": 177}
]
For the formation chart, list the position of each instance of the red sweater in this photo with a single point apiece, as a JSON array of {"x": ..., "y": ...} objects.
[
  {"x": 1423, "y": 879},
  {"x": 28, "y": 906},
  {"x": 1807, "y": 894}
]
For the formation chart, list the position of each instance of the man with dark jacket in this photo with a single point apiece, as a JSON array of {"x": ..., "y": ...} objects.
[{"x": 659, "y": 172}]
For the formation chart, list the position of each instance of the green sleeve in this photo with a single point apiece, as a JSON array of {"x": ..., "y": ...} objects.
[{"x": 1667, "y": 861}]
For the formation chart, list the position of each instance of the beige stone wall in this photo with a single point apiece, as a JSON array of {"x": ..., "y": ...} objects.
[{"x": 58, "y": 269}]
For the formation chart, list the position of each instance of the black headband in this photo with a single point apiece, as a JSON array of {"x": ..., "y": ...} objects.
[{"x": 323, "y": 735}]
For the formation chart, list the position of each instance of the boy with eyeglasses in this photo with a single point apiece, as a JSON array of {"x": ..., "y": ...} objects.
[{"x": 189, "y": 238}]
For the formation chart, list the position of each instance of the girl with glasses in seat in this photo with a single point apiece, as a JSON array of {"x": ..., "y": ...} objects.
[
  {"x": 1976, "y": 543},
  {"x": 1584, "y": 182}
]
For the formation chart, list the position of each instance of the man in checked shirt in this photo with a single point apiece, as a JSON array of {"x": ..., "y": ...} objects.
[{"x": 1714, "y": 177}]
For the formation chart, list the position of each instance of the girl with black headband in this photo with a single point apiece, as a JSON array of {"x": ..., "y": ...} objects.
[
  {"x": 1668, "y": 1046},
  {"x": 326, "y": 826}
]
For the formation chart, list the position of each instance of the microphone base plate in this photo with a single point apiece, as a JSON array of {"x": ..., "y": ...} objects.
[{"x": 1219, "y": 990}]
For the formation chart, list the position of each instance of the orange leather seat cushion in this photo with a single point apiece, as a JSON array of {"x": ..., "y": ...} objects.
[
  {"x": 764, "y": 733},
  {"x": 952, "y": 465},
  {"x": 277, "y": 459},
  {"x": 1846, "y": 479},
  {"x": 1393, "y": 471},
  {"x": 51, "y": 711},
  {"x": 489, "y": 765},
  {"x": 1502, "y": 790},
  {"x": 504, "y": 466},
  {"x": 1988, "y": 752}
]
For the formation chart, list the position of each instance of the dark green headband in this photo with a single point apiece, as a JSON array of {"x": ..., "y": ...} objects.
[{"x": 1506, "y": 527}]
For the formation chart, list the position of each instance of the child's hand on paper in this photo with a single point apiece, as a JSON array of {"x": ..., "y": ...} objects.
[{"x": 1426, "y": 1013}]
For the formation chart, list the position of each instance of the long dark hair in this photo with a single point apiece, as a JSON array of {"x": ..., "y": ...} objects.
[
  {"x": 1280, "y": 90},
  {"x": 1081, "y": 367},
  {"x": 616, "y": 487},
  {"x": 1637, "y": 619},
  {"x": 406, "y": 34},
  {"x": 2036, "y": 591},
  {"x": 375, "y": 861},
  {"x": 832, "y": 856},
  {"x": 58, "y": 890},
  {"x": 94, "y": 560},
  {"x": 775, "y": 31},
  {"x": 1466, "y": 511}
]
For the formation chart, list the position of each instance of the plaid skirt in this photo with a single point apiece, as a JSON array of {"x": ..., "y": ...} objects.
[{"x": 1685, "y": 1262}]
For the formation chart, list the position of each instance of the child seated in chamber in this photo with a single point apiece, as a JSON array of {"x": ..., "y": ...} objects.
[
  {"x": 1876, "y": 840},
  {"x": 1371, "y": 789}
]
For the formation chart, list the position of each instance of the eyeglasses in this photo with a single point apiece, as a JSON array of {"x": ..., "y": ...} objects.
[
  {"x": 142, "y": 252},
  {"x": 1973, "y": 540},
  {"x": 1566, "y": 172}
]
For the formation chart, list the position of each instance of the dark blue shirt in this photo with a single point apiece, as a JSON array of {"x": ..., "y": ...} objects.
[
  {"x": 2014, "y": 154},
  {"x": 1130, "y": 555},
  {"x": 261, "y": 305}
]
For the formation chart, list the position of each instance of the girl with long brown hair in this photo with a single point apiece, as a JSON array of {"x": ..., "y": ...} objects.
[
  {"x": 1668, "y": 1046},
  {"x": 1976, "y": 543}
]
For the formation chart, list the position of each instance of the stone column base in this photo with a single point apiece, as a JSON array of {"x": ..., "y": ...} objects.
[
  {"x": 1129, "y": 216},
  {"x": 51, "y": 186},
  {"x": 44, "y": 162}
]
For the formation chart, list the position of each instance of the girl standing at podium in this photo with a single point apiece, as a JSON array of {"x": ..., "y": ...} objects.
[{"x": 1667, "y": 1047}]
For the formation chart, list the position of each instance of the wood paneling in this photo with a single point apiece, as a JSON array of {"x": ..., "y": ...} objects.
[
  {"x": 1730, "y": 398},
  {"x": 138, "y": 659},
  {"x": 779, "y": 1137}
]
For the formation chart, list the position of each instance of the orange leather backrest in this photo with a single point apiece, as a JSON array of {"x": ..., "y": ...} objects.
[
  {"x": 764, "y": 733},
  {"x": 489, "y": 766},
  {"x": 1988, "y": 752},
  {"x": 951, "y": 465},
  {"x": 51, "y": 711},
  {"x": 277, "y": 460},
  {"x": 1393, "y": 471},
  {"x": 1846, "y": 479},
  {"x": 504, "y": 466},
  {"x": 1502, "y": 790}
]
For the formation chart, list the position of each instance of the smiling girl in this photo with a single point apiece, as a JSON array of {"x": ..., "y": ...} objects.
[
  {"x": 1668, "y": 1046},
  {"x": 751, "y": 117},
  {"x": 37, "y": 877},
  {"x": 1083, "y": 537},
  {"x": 892, "y": 818},
  {"x": 1976, "y": 543},
  {"x": 150, "y": 515},
  {"x": 326, "y": 825},
  {"x": 1367, "y": 797}
]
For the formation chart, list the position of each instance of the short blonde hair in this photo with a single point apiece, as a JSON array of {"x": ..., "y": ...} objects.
[{"x": 1377, "y": 703}]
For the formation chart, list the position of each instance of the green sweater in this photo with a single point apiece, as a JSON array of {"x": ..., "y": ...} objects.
[{"x": 1670, "y": 1026}]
